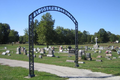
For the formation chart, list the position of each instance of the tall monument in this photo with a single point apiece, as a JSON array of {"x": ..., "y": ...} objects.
[
  {"x": 96, "y": 45},
  {"x": 96, "y": 40}
]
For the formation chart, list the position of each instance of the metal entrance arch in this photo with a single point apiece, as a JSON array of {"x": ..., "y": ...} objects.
[{"x": 31, "y": 27}]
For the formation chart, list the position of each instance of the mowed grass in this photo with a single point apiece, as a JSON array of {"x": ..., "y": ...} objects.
[
  {"x": 18, "y": 73},
  {"x": 107, "y": 66}
]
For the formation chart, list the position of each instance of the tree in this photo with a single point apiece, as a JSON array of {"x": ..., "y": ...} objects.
[
  {"x": 113, "y": 38},
  {"x": 26, "y": 35},
  {"x": 92, "y": 38},
  {"x": 59, "y": 32},
  {"x": 45, "y": 29},
  {"x": 36, "y": 23},
  {"x": 21, "y": 39},
  {"x": 1, "y": 32},
  {"x": 6, "y": 31},
  {"x": 13, "y": 36},
  {"x": 79, "y": 37},
  {"x": 102, "y": 36}
]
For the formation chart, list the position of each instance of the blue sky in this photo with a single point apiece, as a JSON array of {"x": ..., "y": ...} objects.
[{"x": 90, "y": 14}]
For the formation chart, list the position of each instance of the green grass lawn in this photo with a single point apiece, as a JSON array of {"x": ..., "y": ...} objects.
[
  {"x": 107, "y": 66},
  {"x": 18, "y": 73}
]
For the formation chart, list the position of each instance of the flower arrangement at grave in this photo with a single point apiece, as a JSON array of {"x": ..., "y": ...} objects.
[{"x": 107, "y": 52}]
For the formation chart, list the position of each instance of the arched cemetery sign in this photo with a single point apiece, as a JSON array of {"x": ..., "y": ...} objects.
[{"x": 31, "y": 27}]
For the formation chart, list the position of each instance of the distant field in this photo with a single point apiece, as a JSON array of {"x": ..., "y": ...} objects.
[{"x": 107, "y": 66}]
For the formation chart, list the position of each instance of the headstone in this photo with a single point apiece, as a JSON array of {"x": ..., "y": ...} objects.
[
  {"x": 81, "y": 47},
  {"x": 100, "y": 51},
  {"x": 38, "y": 49},
  {"x": 71, "y": 51},
  {"x": 108, "y": 54},
  {"x": 86, "y": 48},
  {"x": 70, "y": 61},
  {"x": 95, "y": 46},
  {"x": 98, "y": 60},
  {"x": 118, "y": 56},
  {"x": 9, "y": 54},
  {"x": 60, "y": 49},
  {"x": 101, "y": 48},
  {"x": 96, "y": 51},
  {"x": 114, "y": 57},
  {"x": 27, "y": 55},
  {"x": 5, "y": 47},
  {"x": 4, "y": 53},
  {"x": 50, "y": 47},
  {"x": 40, "y": 56},
  {"x": 34, "y": 49},
  {"x": 42, "y": 50},
  {"x": 118, "y": 52},
  {"x": 50, "y": 53},
  {"x": 53, "y": 48},
  {"x": 8, "y": 51},
  {"x": 81, "y": 62},
  {"x": 109, "y": 59},
  {"x": 99, "y": 56},
  {"x": 25, "y": 52},
  {"x": 105, "y": 48},
  {"x": 18, "y": 50},
  {"x": 88, "y": 56},
  {"x": 22, "y": 49},
  {"x": 96, "y": 40},
  {"x": 34, "y": 55},
  {"x": 112, "y": 47},
  {"x": 80, "y": 53}
]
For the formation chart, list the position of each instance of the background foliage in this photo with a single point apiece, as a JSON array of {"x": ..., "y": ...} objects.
[{"x": 44, "y": 33}]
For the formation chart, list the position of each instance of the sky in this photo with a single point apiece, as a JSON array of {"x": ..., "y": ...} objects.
[{"x": 91, "y": 15}]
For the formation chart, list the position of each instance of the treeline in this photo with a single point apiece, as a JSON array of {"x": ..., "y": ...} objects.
[
  {"x": 44, "y": 33},
  {"x": 7, "y": 35}
]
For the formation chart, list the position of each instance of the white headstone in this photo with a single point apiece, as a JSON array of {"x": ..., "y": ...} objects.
[
  {"x": 8, "y": 51},
  {"x": 5, "y": 47},
  {"x": 18, "y": 50},
  {"x": 4, "y": 53}
]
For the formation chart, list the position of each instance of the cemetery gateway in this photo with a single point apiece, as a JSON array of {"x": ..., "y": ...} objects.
[{"x": 31, "y": 26}]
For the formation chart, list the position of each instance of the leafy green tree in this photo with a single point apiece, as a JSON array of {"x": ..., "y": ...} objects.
[
  {"x": 79, "y": 37},
  {"x": 88, "y": 39},
  {"x": 59, "y": 32},
  {"x": 113, "y": 38},
  {"x": 21, "y": 39},
  {"x": 26, "y": 35},
  {"x": 92, "y": 39},
  {"x": 13, "y": 36},
  {"x": 1, "y": 32},
  {"x": 36, "y": 23},
  {"x": 102, "y": 36},
  {"x": 6, "y": 32},
  {"x": 45, "y": 29}
]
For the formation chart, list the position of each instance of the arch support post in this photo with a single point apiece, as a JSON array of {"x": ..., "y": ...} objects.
[
  {"x": 76, "y": 45},
  {"x": 31, "y": 46}
]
